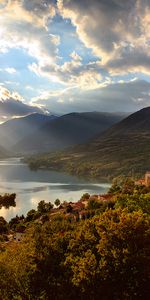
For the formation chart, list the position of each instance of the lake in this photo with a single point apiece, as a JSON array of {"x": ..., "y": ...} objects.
[{"x": 33, "y": 186}]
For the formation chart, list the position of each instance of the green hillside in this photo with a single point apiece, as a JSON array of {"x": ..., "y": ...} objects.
[
  {"x": 122, "y": 149},
  {"x": 66, "y": 131},
  {"x": 3, "y": 152}
]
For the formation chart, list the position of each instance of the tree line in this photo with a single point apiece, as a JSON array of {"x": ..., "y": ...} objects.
[{"x": 106, "y": 256}]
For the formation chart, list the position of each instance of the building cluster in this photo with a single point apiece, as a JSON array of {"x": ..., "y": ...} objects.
[
  {"x": 144, "y": 181},
  {"x": 16, "y": 235},
  {"x": 72, "y": 211},
  {"x": 80, "y": 210}
]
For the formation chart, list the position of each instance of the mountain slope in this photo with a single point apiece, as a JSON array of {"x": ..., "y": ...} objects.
[
  {"x": 67, "y": 130},
  {"x": 14, "y": 130},
  {"x": 3, "y": 152},
  {"x": 122, "y": 149}
]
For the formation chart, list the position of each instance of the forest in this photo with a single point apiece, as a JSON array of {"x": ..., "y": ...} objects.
[{"x": 103, "y": 256}]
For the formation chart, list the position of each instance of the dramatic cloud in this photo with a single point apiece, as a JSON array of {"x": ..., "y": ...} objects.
[
  {"x": 12, "y": 105},
  {"x": 123, "y": 96},
  {"x": 74, "y": 55},
  {"x": 117, "y": 31},
  {"x": 72, "y": 72},
  {"x": 23, "y": 24}
]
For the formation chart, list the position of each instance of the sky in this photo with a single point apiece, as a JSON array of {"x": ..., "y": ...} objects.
[{"x": 74, "y": 55}]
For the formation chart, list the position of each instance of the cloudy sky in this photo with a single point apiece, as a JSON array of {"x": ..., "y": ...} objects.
[{"x": 74, "y": 55}]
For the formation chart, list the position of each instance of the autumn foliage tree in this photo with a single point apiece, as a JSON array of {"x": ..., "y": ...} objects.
[{"x": 106, "y": 257}]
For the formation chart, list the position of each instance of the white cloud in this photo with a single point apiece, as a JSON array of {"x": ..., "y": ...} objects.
[
  {"x": 10, "y": 70},
  {"x": 28, "y": 87},
  {"x": 75, "y": 56},
  {"x": 72, "y": 73},
  {"x": 23, "y": 25},
  {"x": 111, "y": 96},
  {"x": 60, "y": 101},
  {"x": 117, "y": 31},
  {"x": 12, "y": 104}
]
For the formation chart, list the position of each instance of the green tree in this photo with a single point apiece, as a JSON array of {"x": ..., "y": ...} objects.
[
  {"x": 31, "y": 215},
  {"x": 41, "y": 207},
  {"x": 93, "y": 203},
  {"x": 48, "y": 206},
  {"x": 44, "y": 207},
  {"x": 134, "y": 202},
  {"x": 109, "y": 256},
  {"x": 14, "y": 221},
  {"x": 106, "y": 257},
  {"x": 57, "y": 202},
  {"x": 3, "y": 225},
  {"x": 69, "y": 208},
  {"x": 122, "y": 184},
  {"x": 85, "y": 196},
  {"x": 7, "y": 200}
]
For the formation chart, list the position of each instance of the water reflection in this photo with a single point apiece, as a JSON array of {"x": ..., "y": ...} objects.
[{"x": 31, "y": 186}]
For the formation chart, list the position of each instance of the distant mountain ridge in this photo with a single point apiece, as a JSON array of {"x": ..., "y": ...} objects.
[
  {"x": 65, "y": 131},
  {"x": 4, "y": 153},
  {"x": 12, "y": 131},
  {"x": 122, "y": 149},
  {"x": 138, "y": 121}
]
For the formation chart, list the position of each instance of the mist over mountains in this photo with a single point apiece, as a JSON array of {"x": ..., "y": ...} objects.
[
  {"x": 124, "y": 148},
  {"x": 93, "y": 144},
  {"x": 15, "y": 129},
  {"x": 38, "y": 133}
]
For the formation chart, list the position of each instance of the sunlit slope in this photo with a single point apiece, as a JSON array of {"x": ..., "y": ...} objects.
[
  {"x": 122, "y": 149},
  {"x": 3, "y": 152}
]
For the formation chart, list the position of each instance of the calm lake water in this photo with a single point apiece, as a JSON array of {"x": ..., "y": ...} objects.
[{"x": 33, "y": 186}]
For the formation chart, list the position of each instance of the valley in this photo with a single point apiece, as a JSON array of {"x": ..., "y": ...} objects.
[
  {"x": 98, "y": 146},
  {"x": 123, "y": 149}
]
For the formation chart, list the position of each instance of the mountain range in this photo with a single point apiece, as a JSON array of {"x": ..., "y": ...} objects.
[
  {"x": 3, "y": 152},
  {"x": 122, "y": 149},
  {"x": 12, "y": 131},
  {"x": 38, "y": 133},
  {"x": 90, "y": 144}
]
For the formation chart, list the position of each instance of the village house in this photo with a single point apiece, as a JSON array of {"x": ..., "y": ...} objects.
[
  {"x": 78, "y": 206},
  {"x": 105, "y": 197},
  {"x": 83, "y": 215},
  {"x": 85, "y": 202},
  {"x": 144, "y": 181},
  {"x": 140, "y": 182},
  {"x": 10, "y": 237},
  {"x": 18, "y": 235},
  {"x": 71, "y": 217},
  {"x": 147, "y": 178}
]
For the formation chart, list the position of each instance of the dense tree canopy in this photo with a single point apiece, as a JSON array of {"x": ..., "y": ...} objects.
[
  {"x": 7, "y": 200},
  {"x": 106, "y": 256}
]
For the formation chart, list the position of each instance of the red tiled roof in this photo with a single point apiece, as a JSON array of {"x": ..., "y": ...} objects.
[
  {"x": 79, "y": 205},
  {"x": 83, "y": 212},
  {"x": 106, "y": 196}
]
